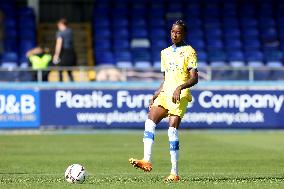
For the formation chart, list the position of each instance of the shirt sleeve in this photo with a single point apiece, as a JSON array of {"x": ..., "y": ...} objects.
[
  {"x": 192, "y": 59},
  {"x": 163, "y": 69},
  {"x": 59, "y": 34}
]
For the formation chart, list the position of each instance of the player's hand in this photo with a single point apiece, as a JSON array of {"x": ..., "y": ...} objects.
[
  {"x": 176, "y": 95},
  {"x": 55, "y": 59}
]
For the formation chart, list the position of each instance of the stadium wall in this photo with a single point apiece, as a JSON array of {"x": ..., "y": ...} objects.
[{"x": 225, "y": 105}]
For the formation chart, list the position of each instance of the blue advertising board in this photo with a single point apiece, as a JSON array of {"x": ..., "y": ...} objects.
[
  {"x": 19, "y": 109},
  {"x": 119, "y": 108}
]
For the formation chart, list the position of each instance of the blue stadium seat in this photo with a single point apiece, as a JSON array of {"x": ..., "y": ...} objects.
[
  {"x": 123, "y": 56},
  {"x": 119, "y": 12},
  {"x": 276, "y": 64},
  {"x": 25, "y": 46},
  {"x": 26, "y": 12},
  {"x": 252, "y": 45},
  {"x": 156, "y": 59},
  {"x": 266, "y": 22},
  {"x": 104, "y": 58},
  {"x": 23, "y": 61},
  {"x": 138, "y": 22},
  {"x": 141, "y": 54},
  {"x": 11, "y": 33},
  {"x": 250, "y": 31},
  {"x": 202, "y": 56},
  {"x": 216, "y": 56},
  {"x": 228, "y": 22},
  {"x": 9, "y": 60},
  {"x": 157, "y": 13},
  {"x": 273, "y": 56},
  {"x": 123, "y": 59},
  {"x": 29, "y": 34},
  {"x": 10, "y": 23},
  {"x": 232, "y": 32},
  {"x": 25, "y": 23},
  {"x": 233, "y": 44},
  {"x": 137, "y": 13},
  {"x": 139, "y": 33},
  {"x": 269, "y": 34},
  {"x": 102, "y": 33},
  {"x": 120, "y": 22},
  {"x": 194, "y": 33},
  {"x": 248, "y": 22},
  {"x": 159, "y": 32},
  {"x": 229, "y": 13},
  {"x": 10, "y": 44},
  {"x": 124, "y": 64},
  {"x": 157, "y": 21},
  {"x": 255, "y": 64},
  {"x": 254, "y": 56},
  {"x": 101, "y": 22},
  {"x": 102, "y": 11},
  {"x": 8, "y": 10},
  {"x": 103, "y": 45},
  {"x": 213, "y": 32},
  {"x": 197, "y": 44},
  {"x": 233, "y": 56},
  {"x": 142, "y": 64},
  {"x": 194, "y": 22},
  {"x": 193, "y": 9},
  {"x": 121, "y": 32},
  {"x": 214, "y": 44},
  {"x": 159, "y": 44},
  {"x": 211, "y": 23},
  {"x": 247, "y": 10},
  {"x": 120, "y": 44}
]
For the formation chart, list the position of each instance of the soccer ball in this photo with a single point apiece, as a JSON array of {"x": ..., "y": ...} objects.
[{"x": 75, "y": 174}]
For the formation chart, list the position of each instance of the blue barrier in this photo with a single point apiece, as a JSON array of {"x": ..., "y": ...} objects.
[{"x": 252, "y": 105}]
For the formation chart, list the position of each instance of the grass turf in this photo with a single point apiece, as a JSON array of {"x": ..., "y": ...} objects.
[{"x": 207, "y": 160}]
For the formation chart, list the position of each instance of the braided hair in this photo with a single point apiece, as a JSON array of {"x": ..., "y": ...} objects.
[{"x": 182, "y": 24}]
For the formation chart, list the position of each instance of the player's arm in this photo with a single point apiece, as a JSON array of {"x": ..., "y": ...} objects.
[
  {"x": 157, "y": 92},
  {"x": 193, "y": 80},
  {"x": 58, "y": 47}
]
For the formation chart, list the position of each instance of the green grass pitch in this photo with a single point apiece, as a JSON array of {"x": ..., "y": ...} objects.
[{"x": 208, "y": 159}]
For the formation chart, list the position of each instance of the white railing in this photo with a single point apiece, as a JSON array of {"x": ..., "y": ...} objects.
[{"x": 84, "y": 73}]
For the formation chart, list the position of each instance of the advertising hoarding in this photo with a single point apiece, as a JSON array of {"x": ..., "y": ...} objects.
[{"x": 121, "y": 108}]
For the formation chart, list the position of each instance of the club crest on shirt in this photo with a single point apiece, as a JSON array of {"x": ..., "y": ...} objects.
[{"x": 181, "y": 54}]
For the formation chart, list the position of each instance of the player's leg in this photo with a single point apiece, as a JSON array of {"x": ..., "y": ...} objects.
[
  {"x": 176, "y": 111},
  {"x": 174, "y": 122},
  {"x": 156, "y": 114}
]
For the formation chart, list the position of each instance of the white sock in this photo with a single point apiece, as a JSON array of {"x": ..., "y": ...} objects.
[
  {"x": 174, "y": 149},
  {"x": 148, "y": 139}
]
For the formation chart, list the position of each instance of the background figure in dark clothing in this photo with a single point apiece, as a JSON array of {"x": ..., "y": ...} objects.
[{"x": 64, "y": 54}]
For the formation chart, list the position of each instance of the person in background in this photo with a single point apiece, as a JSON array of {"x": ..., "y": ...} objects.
[
  {"x": 39, "y": 59},
  {"x": 64, "y": 54}
]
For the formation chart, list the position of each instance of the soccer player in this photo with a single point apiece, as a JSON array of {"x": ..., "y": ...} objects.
[{"x": 179, "y": 65}]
